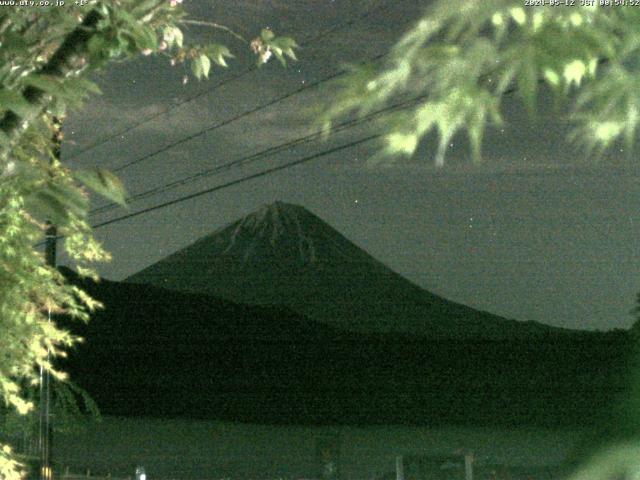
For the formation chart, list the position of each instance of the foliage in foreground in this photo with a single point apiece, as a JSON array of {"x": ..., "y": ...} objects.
[
  {"x": 455, "y": 65},
  {"x": 460, "y": 59},
  {"x": 46, "y": 55}
]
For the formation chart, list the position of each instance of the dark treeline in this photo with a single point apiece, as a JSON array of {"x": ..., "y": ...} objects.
[{"x": 152, "y": 352}]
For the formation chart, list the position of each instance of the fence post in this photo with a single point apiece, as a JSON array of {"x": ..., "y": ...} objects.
[
  {"x": 399, "y": 468},
  {"x": 468, "y": 466}
]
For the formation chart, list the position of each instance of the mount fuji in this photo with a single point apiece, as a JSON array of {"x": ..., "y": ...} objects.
[
  {"x": 282, "y": 254},
  {"x": 333, "y": 337}
]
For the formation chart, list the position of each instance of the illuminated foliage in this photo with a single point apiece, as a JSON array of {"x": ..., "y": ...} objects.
[
  {"x": 463, "y": 56},
  {"x": 45, "y": 58}
]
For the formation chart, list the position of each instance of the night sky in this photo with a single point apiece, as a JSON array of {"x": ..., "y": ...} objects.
[{"x": 539, "y": 231}]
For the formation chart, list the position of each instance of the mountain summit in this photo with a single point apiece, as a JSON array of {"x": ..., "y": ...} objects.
[
  {"x": 282, "y": 232},
  {"x": 284, "y": 254}
]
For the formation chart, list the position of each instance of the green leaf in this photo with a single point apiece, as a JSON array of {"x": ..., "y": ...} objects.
[
  {"x": 266, "y": 34},
  {"x": 104, "y": 183},
  {"x": 70, "y": 197},
  {"x": 401, "y": 143},
  {"x": 55, "y": 203},
  {"x": 57, "y": 107},
  {"x": 281, "y": 46},
  {"x": 99, "y": 50},
  {"x": 143, "y": 7},
  {"x": 179, "y": 36},
  {"x": 13, "y": 43},
  {"x": 46, "y": 83},
  {"x": 173, "y": 36},
  {"x": 206, "y": 65},
  {"x": 196, "y": 67},
  {"x": 102, "y": 9},
  {"x": 14, "y": 101},
  {"x": 285, "y": 43},
  {"x": 82, "y": 85},
  {"x": 96, "y": 44},
  {"x": 70, "y": 90},
  {"x": 201, "y": 66},
  {"x": 5, "y": 142},
  {"x": 279, "y": 56},
  {"x": 143, "y": 36},
  {"x": 290, "y": 53},
  {"x": 527, "y": 81},
  {"x": 217, "y": 53}
]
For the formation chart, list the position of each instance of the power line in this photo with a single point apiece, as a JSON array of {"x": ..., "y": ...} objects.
[
  {"x": 232, "y": 183},
  {"x": 246, "y": 113},
  {"x": 343, "y": 126},
  {"x": 257, "y": 156},
  {"x": 263, "y": 153},
  {"x": 266, "y": 171},
  {"x": 230, "y": 120},
  {"x": 223, "y": 123},
  {"x": 240, "y": 180},
  {"x": 218, "y": 85}
]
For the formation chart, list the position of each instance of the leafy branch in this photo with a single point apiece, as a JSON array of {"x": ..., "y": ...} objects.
[
  {"x": 465, "y": 55},
  {"x": 44, "y": 64}
]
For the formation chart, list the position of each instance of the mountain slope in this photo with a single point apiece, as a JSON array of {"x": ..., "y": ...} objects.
[
  {"x": 160, "y": 353},
  {"x": 284, "y": 254},
  {"x": 163, "y": 353}
]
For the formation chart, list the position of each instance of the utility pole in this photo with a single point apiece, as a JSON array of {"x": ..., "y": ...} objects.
[
  {"x": 45, "y": 431},
  {"x": 44, "y": 440}
]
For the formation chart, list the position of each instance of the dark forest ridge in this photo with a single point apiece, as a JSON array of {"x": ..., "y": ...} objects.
[
  {"x": 282, "y": 254},
  {"x": 160, "y": 353}
]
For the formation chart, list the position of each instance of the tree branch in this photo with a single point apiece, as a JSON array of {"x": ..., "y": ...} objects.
[
  {"x": 215, "y": 25},
  {"x": 11, "y": 124}
]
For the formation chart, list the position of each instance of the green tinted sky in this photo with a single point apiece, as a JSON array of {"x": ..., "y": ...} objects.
[{"x": 537, "y": 232}]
